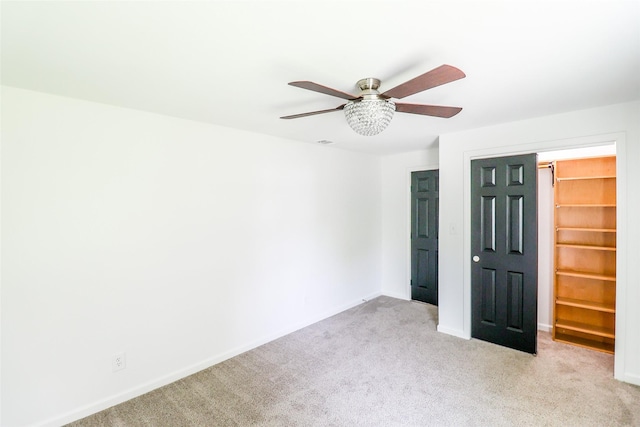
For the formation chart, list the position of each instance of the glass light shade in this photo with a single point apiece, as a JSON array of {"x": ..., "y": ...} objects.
[{"x": 369, "y": 116}]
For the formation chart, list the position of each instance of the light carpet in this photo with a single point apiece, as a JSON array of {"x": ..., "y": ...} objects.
[{"x": 382, "y": 363}]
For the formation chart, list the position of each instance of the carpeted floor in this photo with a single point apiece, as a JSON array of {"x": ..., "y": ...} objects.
[{"x": 382, "y": 363}]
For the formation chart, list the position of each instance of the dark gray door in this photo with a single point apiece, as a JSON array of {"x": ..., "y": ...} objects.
[
  {"x": 424, "y": 236},
  {"x": 504, "y": 240}
]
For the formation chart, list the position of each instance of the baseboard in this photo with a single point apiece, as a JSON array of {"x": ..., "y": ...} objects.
[
  {"x": 455, "y": 332},
  {"x": 629, "y": 378},
  {"x": 396, "y": 295},
  {"x": 134, "y": 392},
  {"x": 545, "y": 328},
  {"x": 365, "y": 299}
]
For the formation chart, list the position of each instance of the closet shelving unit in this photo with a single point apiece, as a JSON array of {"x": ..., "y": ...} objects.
[{"x": 585, "y": 252}]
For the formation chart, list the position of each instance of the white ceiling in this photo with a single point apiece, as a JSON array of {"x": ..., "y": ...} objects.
[{"x": 229, "y": 62}]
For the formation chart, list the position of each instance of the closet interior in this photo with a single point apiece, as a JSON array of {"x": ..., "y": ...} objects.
[{"x": 584, "y": 289}]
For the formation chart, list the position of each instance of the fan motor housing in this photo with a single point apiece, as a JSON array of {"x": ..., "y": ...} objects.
[{"x": 369, "y": 88}]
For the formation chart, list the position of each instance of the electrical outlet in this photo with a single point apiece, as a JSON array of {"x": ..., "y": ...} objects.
[{"x": 119, "y": 362}]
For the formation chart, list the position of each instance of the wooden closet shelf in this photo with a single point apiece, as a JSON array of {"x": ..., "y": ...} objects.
[
  {"x": 604, "y": 347},
  {"x": 594, "y": 230},
  {"x": 586, "y": 205},
  {"x": 580, "y": 178},
  {"x": 600, "y": 331},
  {"x": 589, "y": 305},
  {"x": 593, "y": 247},
  {"x": 607, "y": 277}
]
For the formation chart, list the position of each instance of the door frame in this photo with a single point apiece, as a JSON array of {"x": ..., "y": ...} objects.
[
  {"x": 619, "y": 139},
  {"x": 407, "y": 227}
]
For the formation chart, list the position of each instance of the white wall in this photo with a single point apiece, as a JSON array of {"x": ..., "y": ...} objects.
[
  {"x": 183, "y": 244},
  {"x": 619, "y": 123},
  {"x": 396, "y": 198},
  {"x": 177, "y": 242},
  {"x": 545, "y": 249}
]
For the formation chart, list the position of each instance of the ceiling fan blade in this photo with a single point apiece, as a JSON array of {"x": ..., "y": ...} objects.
[
  {"x": 436, "y": 77},
  {"x": 428, "y": 110},
  {"x": 323, "y": 89},
  {"x": 313, "y": 113}
]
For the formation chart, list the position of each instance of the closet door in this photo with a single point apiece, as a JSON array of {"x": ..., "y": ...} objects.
[
  {"x": 424, "y": 236},
  {"x": 504, "y": 250}
]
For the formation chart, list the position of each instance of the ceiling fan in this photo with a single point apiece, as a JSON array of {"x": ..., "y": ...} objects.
[{"x": 370, "y": 112}]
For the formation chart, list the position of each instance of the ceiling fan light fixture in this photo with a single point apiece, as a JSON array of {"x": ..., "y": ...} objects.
[
  {"x": 369, "y": 117},
  {"x": 370, "y": 112}
]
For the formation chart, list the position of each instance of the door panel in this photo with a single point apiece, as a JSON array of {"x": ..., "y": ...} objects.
[
  {"x": 515, "y": 220},
  {"x": 514, "y": 301},
  {"x": 504, "y": 249},
  {"x": 488, "y": 229},
  {"x": 424, "y": 236},
  {"x": 488, "y": 306},
  {"x": 422, "y": 229}
]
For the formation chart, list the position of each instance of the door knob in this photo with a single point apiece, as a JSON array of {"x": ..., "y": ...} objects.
[{"x": 476, "y": 258}]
